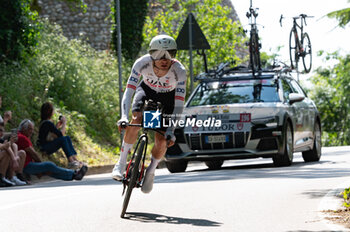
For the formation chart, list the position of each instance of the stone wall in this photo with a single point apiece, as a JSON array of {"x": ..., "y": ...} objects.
[{"x": 94, "y": 25}]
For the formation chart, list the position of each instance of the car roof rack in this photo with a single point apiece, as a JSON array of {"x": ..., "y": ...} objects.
[{"x": 222, "y": 73}]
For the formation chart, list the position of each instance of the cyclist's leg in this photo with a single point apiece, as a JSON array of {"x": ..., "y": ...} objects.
[
  {"x": 130, "y": 134},
  {"x": 129, "y": 138},
  {"x": 128, "y": 142},
  {"x": 158, "y": 151},
  {"x": 132, "y": 131},
  {"x": 159, "y": 148}
]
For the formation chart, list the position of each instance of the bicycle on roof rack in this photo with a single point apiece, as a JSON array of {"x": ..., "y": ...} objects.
[
  {"x": 299, "y": 44},
  {"x": 254, "y": 45}
]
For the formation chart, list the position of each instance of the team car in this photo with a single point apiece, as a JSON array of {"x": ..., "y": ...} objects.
[{"x": 241, "y": 115}]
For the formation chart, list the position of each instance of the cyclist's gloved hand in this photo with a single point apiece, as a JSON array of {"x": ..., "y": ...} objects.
[{"x": 122, "y": 123}]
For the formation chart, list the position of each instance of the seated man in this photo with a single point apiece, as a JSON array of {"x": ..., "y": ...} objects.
[{"x": 34, "y": 165}]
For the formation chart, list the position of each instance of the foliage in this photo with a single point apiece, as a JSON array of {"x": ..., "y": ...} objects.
[
  {"x": 223, "y": 35},
  {"x": 81, "y": 82},
  {"x": 19, "y": 31},
  {"x": 270, "y": 58},
  {"x": 346, "y": 197},
  {"x": 343, "y": 16},
  {"x": 131, "y": 27},
  {"x": 331, "y": 94}
]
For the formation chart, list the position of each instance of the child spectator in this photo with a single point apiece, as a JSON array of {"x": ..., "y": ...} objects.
[
  {"x": 7, "y": 114},
  {"x": 34, "y": 165},
  {"x": 16, "y": 159},
  {"x": 4, "y": 163},
  {"x": 51, "y": 138}
]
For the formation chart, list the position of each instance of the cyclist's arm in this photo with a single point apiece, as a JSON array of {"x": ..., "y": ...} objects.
[{"x": 131, "y": 85}]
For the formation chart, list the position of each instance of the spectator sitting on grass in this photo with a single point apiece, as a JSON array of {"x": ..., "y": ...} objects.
[
  {"x": 15, "y": 160},
  {"x": 34, "y": 165},
  {"x": 51, "y": 138}
]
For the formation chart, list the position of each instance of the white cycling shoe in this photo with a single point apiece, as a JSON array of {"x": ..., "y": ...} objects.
[
  {"x": 118, "y": 172},
  {"x": 147, "y": 184}
]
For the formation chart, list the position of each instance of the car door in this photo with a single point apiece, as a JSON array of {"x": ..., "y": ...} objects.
[
  {"x": 309, "y": 115},
  {"x": 295, "y": 112}
]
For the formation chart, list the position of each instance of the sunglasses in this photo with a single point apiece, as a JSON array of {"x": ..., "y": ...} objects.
[{"x": 162, "y": 54}]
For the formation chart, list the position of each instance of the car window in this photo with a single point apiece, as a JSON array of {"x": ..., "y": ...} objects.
[
  {"x": 287, "y": 89},
  {"x": 296, "y": 87},
  {"x": 236, "y": 92}
]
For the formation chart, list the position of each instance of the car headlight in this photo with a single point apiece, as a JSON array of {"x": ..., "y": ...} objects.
[
  {"x": 271, "y": 124},
  {"x": 268, "y": 122}
]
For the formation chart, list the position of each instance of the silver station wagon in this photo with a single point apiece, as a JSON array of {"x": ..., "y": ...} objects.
[{"x": 239, "y": 116}]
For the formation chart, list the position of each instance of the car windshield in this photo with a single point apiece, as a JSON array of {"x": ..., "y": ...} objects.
[{"x": 240, "y": 91}]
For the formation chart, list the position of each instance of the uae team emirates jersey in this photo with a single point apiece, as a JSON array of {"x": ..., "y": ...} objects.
[{"x": 173, "y": 80}]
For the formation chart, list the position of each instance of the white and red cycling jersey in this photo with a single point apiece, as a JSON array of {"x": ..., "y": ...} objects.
[{"x": 142, "y": 70}]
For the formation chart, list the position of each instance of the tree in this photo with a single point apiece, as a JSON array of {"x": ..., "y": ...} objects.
[
  {"x": 343, "y": 16},
  {"x": 132, "y": 17},
  {"x": 223, "y": 35},
  {"x": 19, "y": 31},
  {"x": 331, "y": 93}
]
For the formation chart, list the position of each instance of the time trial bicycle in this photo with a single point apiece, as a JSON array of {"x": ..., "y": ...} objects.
[{"x": 135, "y": 170}]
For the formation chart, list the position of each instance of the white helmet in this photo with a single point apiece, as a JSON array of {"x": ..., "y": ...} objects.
[{"x": 162, "y": 46}]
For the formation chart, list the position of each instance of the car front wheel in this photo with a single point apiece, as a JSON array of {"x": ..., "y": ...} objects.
[
  {"x": 286, "y": 158},
  {"x": 176, "y": 165},
  {"x": 214, "y": 165},
  {"x": 315, "y": 153}
]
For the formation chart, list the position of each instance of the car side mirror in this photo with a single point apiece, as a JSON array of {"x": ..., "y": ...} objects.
[{"x": 295, "y": 97}]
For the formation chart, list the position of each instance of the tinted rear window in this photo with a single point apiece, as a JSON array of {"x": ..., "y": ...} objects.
[{"x": 245, "y": 91}]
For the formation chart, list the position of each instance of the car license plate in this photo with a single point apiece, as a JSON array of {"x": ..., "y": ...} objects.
[{"x": 216, "y": 138}]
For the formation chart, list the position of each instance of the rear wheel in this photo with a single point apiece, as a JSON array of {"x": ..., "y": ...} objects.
[
  {"x": 214, "y": 165},
  {"x": 315, "y": 153},
  {"x": 293, "y": 49},
  {"x": 176, "y": 165},
  {"x": 307, "y": 53},
  {"x": 286, "y": 158},
  {"x": 134, "y": 175}
]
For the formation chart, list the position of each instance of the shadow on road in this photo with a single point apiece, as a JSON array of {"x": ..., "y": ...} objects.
[
  {"x": 157, "y": 218},
  {"x": 298, "y": 170}
]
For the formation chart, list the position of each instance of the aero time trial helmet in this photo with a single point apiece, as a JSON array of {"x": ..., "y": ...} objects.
[{"x": 162, "y": 47}]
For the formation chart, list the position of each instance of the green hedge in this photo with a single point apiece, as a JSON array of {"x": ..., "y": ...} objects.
[{"x": 71, "y": 74}]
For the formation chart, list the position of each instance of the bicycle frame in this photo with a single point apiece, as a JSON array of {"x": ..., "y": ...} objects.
[{"x": 298, "y": 42}]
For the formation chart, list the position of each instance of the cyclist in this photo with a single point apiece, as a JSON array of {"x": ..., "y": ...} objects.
[{"x": 163, "y": 80}]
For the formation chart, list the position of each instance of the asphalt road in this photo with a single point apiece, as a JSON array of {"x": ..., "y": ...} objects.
[{"x": 245, "y": 195}]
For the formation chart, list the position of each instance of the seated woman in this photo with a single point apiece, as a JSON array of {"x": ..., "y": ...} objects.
[{"x": 51, "y": 136}]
